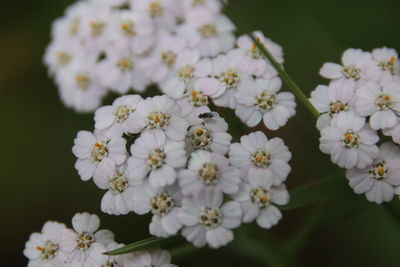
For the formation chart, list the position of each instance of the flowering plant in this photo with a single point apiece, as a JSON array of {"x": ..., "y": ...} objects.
[{"x": 171, "y": 154}]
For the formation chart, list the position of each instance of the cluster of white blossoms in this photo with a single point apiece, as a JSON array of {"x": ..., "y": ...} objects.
[
  {"x": 359, "y": 107},
  {"x": 151, "y": 156},
  {"x": 170, "y": 155},
  {"x": 185, "y": 47},
  {"x": 84, "y": 246}
]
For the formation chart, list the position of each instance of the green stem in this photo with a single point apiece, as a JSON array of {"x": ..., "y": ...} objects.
[
  {"x": 286, "y": 77},
  {"x": 145, "y": 244}
]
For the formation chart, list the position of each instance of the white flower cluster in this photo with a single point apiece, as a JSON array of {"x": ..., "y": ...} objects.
[
  {"x": 84, "y": 245},
  {"x": 185, "y": 47},
  {"x": 170, "y": 155},
  {"x": 363, "y": 98},
  {"x": 178, "y": 169}
]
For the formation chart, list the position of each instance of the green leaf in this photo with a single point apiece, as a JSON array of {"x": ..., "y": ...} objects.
[{"x": 146, "y": 244}]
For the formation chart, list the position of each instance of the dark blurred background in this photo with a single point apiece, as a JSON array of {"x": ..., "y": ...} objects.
[{"x": 38, "y": 181}]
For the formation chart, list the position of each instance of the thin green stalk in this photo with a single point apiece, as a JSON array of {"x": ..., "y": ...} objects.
[
  {"x": 145, "y": 244},
  {"x": 286, "y": 78}
]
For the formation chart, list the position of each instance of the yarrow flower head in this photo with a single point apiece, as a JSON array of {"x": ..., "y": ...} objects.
[
  {"x": 169, "y": 155},
  {"x": 156, "y": 156},
  {"x": 332, "y": 100},
  {"x": 117, "y": 119},
  {"x": 258, "y": 198},
  {"x": 256, "y": 152},
  {"x": 56, "y": 245},
  {"x": 92, "y": 148},
  {"x": 207, "y": 220},
  {"x": 209, "y": 171},
  {"x": 362, "y": 98},
  {"x": 379, "y": 179},
  {"x": 349, "y": 141},
  {"x": 357, "y": 66},
  {"x": 76, "y": 243},
  {"x": 164, "y": 203},
  {"x": 160, "y": 114},
  {"x": 43, "y": 249},
  {"x": 118, "y": 198},
  {"x": 259, "y": 100}
]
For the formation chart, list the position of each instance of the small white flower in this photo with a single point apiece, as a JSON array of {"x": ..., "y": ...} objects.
[
  {"x": 162, "y": 12},
  {"x": 187, "y": 67},
  {"x": 229, "y": 76},
  {"x": 388, "y": 62},
  {"x": 213, "y": 6},
  {"x": 121, "y": 72},
  {"x": 190, "y": 111},
  {"x": 197, "y": 99},
  {"x": 115, "y": 118},
  {"x": 377, "y": 181},
  {"x": 253, "y": 61},
  {"x": 130, "y": 31},
  {"x": 66, "y": 29},
  {"x": 164, "y": 203},
  {"x": 331, "y": 100},
  {"x": 255, "y": 151},
  {"x": 92, "y": 148},
  {"x": 357, "y": 65},
  {"x": 259, "y": 100},
  {"x": 79, "y": 86},
  {"x": 43, "y": 249},
  {"x": 118, "y": 200},
  {"x": 209, "y": 171},
  {"x": 350, "y": 141},
  {"x": 154, "y": 257},
  {"x": 159, "y": 113},
  {"x": 77, "y": 243},
  {"x": 207, "y": 220},
  {"x": 59, "y": 55},
  {"x": 93, "y": 27},
  {"x": 211, "y": 33},
  {"x": 257, "y": 197},
  {"x": 96, "y": 256},
  {"x": 159, "y": 66},
  {"x": 210, "y": 135},
  {"x": 155, "y": 155},
  {"x": 381, "y": 103}
]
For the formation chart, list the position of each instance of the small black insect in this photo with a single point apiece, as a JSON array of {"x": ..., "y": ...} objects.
[{"x": 208, "y": 115}]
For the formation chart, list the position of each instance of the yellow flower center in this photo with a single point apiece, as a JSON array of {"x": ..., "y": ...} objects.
[
  {"x": 48, "y": 251},
  {"x": 210, "y": 217},
  {"x": 266, "y": 101},
  {"x": 168, "y": 58},
  {"x": 82, "y": 81},
  {"x": 209, "y": 173},
  {"x": 156, "y": 158},
  {"x": 156, "y": 9},
  {"x": 201, "y": 137},
  {"x": 99, "y": 151},
  {"x": 261, "y": 158},
  {"x": 351, "y": 72},
  {"x": 125, "y": 64},
  {"x": 161, "y": 204},
  {"x": 128, "y": 27},
  {"x": 383, "y": 102},
  {"x": 260, "y": 196},
  {"x": 379, "y": 170},
  {"x": 207, "y": 30}
]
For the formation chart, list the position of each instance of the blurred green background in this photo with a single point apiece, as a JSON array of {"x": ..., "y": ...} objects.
[{"x": 38, "y": 181}]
